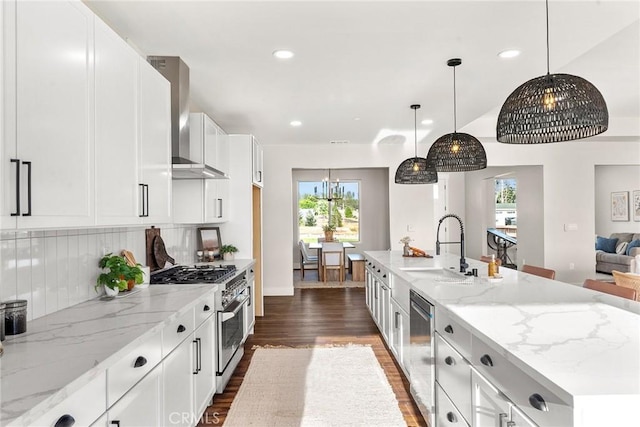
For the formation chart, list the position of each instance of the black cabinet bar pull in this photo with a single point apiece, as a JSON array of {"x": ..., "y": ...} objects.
[
  {"x": 448, "y": 329},
  {"x": 17, "y": 162},
  {"x": 115, "y": 423},
  {"x": 140, "y": 361},
  {"x": 28, "y": 213},
  {"x": 260, "y": 174},
  {"x": 141, "y": 187},
  {"x": 199, "y": 360},
  {"x": 451, "y": 417},
  {"x": 220, "y": 208},
  {"x": 146, "y": 186},
  {"x": 195, "y": 351},
  {"x": 396, "y": 315},
  {"x": 181, "y": 329},
  {"x": 538, "y": 402},
  {"x": 486, "y": 360},
  {"x": 449, "y": 361},
  {"x": 65, "y": 421}
]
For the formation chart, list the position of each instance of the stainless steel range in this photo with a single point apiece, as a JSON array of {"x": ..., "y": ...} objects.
[{"x": 233, "y": 303}]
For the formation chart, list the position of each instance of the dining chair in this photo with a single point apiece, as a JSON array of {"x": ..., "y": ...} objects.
[
  {"x": 610, "y": 288},
  {"x": 539, "y": 271},
  {"x": 628, "y": 280},
  {"x": 306, "y": 259},
  {"x": 333, "y": 259}
]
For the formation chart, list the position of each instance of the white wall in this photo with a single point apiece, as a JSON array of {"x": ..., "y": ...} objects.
[
  {"x": 408, "y": 204},
  {"x": 53, "y": 269},
  {"x": 610, "y": 179},
  {"x": 374, "y": 205}
]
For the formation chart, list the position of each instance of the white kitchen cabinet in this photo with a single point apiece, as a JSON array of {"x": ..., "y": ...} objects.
[
  {"x": 257, "y": 157},
  {"x": 250, "y": 312},
  {"x": 208, "y": 142},
  {"x": 399, "y": 335},
  {"x": 178, "y": 385},
  {"x": 116, "y": 128},
  {"x": 244, "y": 223},
  {"x": 48, "y": 139},
  {"x": 140, "y": 406},
  {"x": 453, "y": 374},
  {"x": 204, "y": 364},
  {"x": 216, "y": 200},
  {"x": 155, "y": 145},
  {"x": 77, "y": 409},
  {"x": 447, "y": 414}
]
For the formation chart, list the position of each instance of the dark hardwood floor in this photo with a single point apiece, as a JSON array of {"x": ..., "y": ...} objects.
[{"x": 317, "y": 317}]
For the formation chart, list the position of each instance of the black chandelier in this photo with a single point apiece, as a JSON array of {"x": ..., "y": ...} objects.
[
  {"x": 414, "y": 169},
  {"x": 457, "y": 151},
  {"x": 552, "y": 108}
]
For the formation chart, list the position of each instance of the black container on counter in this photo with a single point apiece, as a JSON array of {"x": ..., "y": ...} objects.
[
  {"x": 2, "y": 323},
  {"x": 15, "y": 317}
]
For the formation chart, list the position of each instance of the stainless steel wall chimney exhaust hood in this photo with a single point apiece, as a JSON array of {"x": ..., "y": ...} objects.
[{"x": 184, "y": 166}]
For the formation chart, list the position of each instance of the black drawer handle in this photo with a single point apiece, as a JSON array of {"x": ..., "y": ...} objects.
[
  {"x": 65, "y": 421},
  {"x": 486, "y": 360},
  {"x": 448, "y": 329},
  {"x": 115, "y": 423},
  {"x": 206, "y": 308},
  {"x": 449, "y": 361},
  {"x": 384, "y": 276},
  {"x": 140, "y": 361},
  {"x": 538, "y": 402},
  {"x": 451, "y": 417},
  {"x": 181, "y": 329}
]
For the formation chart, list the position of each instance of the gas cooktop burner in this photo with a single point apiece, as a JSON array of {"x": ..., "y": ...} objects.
[{"x": 194, "y": 274}]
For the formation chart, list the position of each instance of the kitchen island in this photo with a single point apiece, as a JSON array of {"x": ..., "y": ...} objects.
[
  {"x": 82, "y": 348},
  {"x": 582, "y": 347}
]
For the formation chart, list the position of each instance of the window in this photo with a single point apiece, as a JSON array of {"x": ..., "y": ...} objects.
[
  {"x": 313, "y": 211},
  {"x": 506, "y": 211}
]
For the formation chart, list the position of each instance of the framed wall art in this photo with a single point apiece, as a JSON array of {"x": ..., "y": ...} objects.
[
  {"x": 210, "y": 242},
  {"x": 636, "y": 205},
  {"x": 620, "y": 206}
]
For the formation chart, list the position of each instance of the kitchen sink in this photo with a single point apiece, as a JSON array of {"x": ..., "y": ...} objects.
[{"x": 437, "y": 274}]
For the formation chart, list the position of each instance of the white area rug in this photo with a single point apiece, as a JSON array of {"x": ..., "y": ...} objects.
[{"x": 320, "y": 386}]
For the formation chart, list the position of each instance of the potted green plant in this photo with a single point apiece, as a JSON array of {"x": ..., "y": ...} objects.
[
  {"x": 328, "y": 232},
  {"x": 120, "y": 275},
  {"x": 228, "y": 252}
]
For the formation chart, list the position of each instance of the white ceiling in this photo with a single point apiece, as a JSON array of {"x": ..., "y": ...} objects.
[{"x": 371, "y": 59}]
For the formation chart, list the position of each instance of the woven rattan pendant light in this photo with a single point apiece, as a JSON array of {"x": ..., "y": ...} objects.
[
  {"x": 552, "y": 108},
  {"x": 457, "y": 151},
  {"x": 414, "y": 170}
]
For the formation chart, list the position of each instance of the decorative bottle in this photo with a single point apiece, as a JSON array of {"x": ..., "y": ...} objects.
[{"x": 492, "y": 266}]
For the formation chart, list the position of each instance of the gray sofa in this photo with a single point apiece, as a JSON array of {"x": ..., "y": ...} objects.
[{"x": 607, "y": 262}]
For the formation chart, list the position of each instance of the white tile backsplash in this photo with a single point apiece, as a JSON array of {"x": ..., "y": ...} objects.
[{"x": 55, "y": 269}]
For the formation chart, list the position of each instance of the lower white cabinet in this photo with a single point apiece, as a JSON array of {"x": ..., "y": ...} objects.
[
  {"x": 453, "y": 374},
  {"x": 178, "y": 386},
  {"x": 399, "y": 334},
  {"x": 204, "y": 372},
  {"x": 446, "y": 412},
  {"x": 140, "y": 406}
]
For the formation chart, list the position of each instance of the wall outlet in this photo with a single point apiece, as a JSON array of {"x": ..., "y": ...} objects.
[
  {"x": 571, "y": 227},
  {"x": 410, "y": 227},
  {"x": 572, "y": 266}
]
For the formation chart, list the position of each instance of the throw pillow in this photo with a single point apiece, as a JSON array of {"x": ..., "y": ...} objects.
[
  {"x": 621, "y": 249},
  {"x": 631, "y": 245},
  {"x": 606, "y": 245}
]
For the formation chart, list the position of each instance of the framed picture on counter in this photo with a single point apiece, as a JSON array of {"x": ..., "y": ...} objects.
[
  {"x": 620, "y": 206},
  {"x": 636, "y": 205},
  {"x": 210, "y": 241}
]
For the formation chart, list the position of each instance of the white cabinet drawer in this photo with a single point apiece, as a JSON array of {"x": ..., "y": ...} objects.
[
  {"x": 175, "y": 332},
  {"x": 400, "y": 292},
  {"x": 81, "y": 408},
  {"x": 446, "y": 413},
  {"x": 535, "y": 400},
  {"x": 204, "y": 308},
  {"x": 126, "y": 372},
  {"x": 453, "y": 331},
  {"x": 453, "y": 373}
]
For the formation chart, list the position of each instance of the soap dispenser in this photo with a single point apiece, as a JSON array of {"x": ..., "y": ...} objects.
[{"x": 492, "y": 266}]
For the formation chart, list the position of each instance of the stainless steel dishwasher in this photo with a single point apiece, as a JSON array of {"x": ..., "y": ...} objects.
[{"x": 422, "y": 357}]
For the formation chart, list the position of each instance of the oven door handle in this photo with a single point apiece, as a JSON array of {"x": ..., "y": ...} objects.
[{"x": 233, "y": 309}]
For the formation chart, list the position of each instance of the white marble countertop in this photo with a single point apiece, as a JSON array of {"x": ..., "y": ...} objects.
[
  {"x": 65, "y": 350},
  {"x": 577, "y": 342}
]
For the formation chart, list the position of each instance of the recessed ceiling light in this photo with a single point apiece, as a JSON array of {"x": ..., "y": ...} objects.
[
  {"x": 295, "y": 123},
  {"x": 283, "y": 54},
  {"x": 356, "y": 118},
  {"x": 427, "y": 122},
  {"x": 510, "y": 53}
]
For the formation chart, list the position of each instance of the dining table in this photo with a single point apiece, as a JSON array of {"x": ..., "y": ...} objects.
[{"x": 318, "y": 246}]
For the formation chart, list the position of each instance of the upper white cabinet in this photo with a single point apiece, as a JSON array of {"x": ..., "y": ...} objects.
[
  {"x": 257, "y": 161},
  {"x": 208, "y": 142},
  {"x": 86, "y": 127},
  {"x": 116, "y": 131},
  {"x": 48, "y": 150},
  {"x": 155, "y": 145}
]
